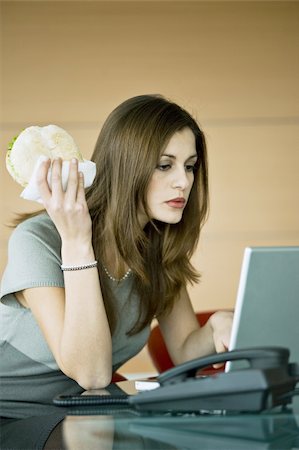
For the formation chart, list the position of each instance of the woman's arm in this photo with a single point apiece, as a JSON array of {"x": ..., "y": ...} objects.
[
  {"x": 73, "y": 319},
  {"x": 184, "y": 337}
]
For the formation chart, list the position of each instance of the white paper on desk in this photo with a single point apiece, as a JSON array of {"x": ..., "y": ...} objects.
[
  {"x": 31, "y": 191},
  {"x": 146, "y": 385}
]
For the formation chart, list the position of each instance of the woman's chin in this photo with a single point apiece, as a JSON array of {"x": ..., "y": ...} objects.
[{"x": 171, "y": 220}]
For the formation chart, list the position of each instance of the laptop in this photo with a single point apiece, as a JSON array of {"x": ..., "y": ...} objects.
[{"x": 267, "y": 305}]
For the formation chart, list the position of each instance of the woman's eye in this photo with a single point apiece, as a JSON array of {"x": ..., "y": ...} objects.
[
  {"x": 164, "y": 167},
  {"x": 190, "y": 168}
]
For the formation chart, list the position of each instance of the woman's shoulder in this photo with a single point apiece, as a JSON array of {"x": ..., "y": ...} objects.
[
  {"x": 39, "y": 227},
  {"x": 40, "y": 221}
]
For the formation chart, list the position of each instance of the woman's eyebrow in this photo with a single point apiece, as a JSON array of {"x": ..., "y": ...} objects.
[{"x": 174, "y": 157}]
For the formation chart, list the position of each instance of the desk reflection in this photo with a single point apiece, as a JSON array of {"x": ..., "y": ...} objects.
[
  {"x": 186, "y": 432},
  {"x": 88, "y": 433},
  {"x": 32, "y": 432},
  {"x": 114, "y": 428}
]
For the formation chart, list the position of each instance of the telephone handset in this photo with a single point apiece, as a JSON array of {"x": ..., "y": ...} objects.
[
  {"x": 259, "y": 358},
  {"x": 265, "y": 384}
]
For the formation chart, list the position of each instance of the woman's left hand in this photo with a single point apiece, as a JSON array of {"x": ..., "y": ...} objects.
[{"x": 221, "y": 323}]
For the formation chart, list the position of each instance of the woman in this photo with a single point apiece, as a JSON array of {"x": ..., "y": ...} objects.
[{"x": 85, "y": 278}]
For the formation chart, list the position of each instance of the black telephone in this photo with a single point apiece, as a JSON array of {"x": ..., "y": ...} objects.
[{"x": 268, "y": 382}]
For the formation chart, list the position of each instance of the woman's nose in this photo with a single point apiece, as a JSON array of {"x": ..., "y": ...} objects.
[{"x": 181, "y": 179}]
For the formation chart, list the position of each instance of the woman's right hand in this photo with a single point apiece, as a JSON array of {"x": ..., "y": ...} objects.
[{"x": 68, "y": 210}]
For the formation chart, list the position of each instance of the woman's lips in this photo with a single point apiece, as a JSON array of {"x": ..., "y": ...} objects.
[{"x": 177, "y": 203}]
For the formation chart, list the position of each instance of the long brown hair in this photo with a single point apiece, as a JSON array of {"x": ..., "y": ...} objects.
[{"x": 126, "y": 154}]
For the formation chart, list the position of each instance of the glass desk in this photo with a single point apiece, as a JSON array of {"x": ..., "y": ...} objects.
[
  {"x": 181, "y": 432},
  {"x": 112, "y": 427}
]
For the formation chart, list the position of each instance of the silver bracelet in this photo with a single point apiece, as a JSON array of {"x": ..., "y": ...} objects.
[{"x": 82, "y": 267}]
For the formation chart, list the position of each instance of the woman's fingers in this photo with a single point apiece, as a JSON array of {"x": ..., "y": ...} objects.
[
  {"x": 68, "y": 209},
  {"x": 81, "y": 191},
  {"x": 56, "y": 180},
  {"x": 74, "y": 192},
  {"x": 42, "y": 182},
  {"x": 72, "y": 183}
]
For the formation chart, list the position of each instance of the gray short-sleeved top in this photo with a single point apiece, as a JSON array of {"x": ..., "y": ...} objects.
[{"x": 29, "y": 375}]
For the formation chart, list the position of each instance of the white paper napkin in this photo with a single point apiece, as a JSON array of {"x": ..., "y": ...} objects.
[{"x": 31, "y": 191}]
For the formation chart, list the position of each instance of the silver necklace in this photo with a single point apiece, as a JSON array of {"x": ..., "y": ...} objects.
[{"x": 115, "y": 279}]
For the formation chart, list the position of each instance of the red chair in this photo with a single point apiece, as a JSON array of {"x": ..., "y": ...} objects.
[
  {"x": 158, "y": 351},
  {"x": 116, "y": 377}
]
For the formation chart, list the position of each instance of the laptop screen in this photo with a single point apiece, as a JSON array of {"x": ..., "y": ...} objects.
[{"x": 267, "y": 306}]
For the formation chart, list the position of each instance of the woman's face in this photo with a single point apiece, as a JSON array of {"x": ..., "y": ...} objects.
[{"x": 172, "y": 180}]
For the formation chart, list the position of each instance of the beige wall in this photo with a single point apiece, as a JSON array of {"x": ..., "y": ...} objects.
[{"x": 234, "y": 65}]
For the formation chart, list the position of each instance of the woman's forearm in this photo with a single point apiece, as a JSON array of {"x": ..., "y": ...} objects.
[
  {"x": 85, "y": 348},
  {"x": 199, "y": 343}
]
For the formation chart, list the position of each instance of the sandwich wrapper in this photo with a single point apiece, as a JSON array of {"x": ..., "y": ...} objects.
[{"x": 31, "y": 191}]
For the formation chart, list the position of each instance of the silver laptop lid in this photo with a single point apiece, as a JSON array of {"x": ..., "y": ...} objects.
[{"x": 267, "y": 306}]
